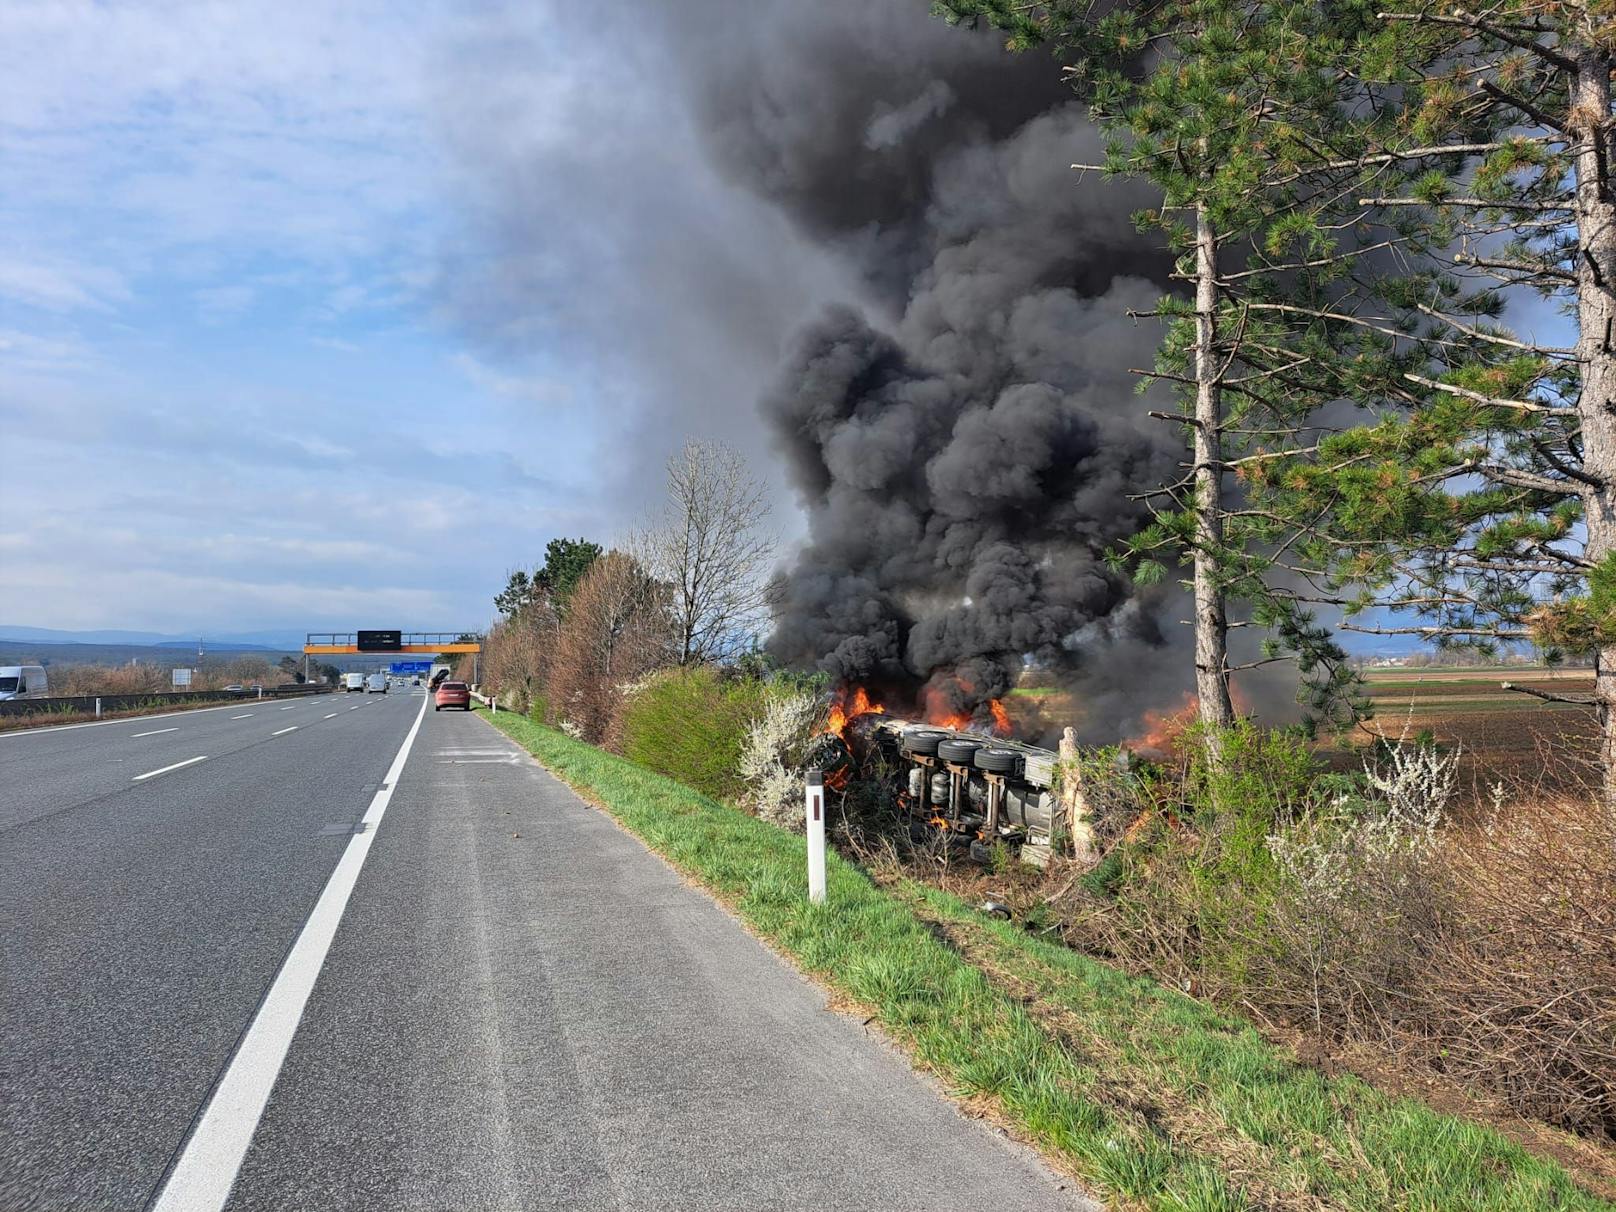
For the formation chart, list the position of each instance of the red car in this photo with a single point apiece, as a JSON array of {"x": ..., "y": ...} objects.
[{"x": 452, "y": 694}]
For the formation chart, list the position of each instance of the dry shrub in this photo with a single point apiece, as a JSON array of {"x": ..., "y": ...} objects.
[
  {"x": 517, "y": 653},
  {"x": 616, "y": 631},
  {"x": 1518, "y": 992},
  {"x": 1363, "y": 916},
  {"x": 68, "y": 680},
  {"x": 1353, "y": 907}
]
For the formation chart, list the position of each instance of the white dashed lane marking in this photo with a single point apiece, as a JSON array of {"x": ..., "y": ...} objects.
[{"x": 151, "y": 774}]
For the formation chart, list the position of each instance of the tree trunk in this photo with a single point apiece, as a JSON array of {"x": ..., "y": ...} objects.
[
  {"x": 1590, "y": 121},
  {"x": 1211, "y": 622}
]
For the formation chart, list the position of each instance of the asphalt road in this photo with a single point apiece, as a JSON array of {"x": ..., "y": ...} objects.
[{"x": 364, "y": 956}]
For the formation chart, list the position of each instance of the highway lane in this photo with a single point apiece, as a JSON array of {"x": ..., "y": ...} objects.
[
  {"x": 521, "y": 1007},
  {"x": 51, "y": 769},
  {"x": 525, "y": 1009},
  {"x": 145, "y": 919}
]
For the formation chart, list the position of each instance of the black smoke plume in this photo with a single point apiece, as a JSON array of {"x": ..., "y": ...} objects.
[
  {"x": 967, "y": 450},
  {"x": 868, "y": 220}
]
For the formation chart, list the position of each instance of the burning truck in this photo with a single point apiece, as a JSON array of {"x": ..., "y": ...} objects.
[{"x": 973, "y": 788}]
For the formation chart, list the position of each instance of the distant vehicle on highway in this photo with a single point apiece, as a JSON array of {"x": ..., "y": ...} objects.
[
  {"x": 353, "y": 681},
  {"x": 233, "y": 686},
  {"x": 452, "y": 694},
  {"x": 376, "y": 684},
  {"x": 23, "y": 682}
]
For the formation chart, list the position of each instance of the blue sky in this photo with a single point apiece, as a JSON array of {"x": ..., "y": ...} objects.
[{"x": 267, "y": 358}]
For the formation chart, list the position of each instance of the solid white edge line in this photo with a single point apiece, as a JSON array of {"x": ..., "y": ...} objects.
[
  {"x": 153, "y": 732},
  {"x": 207, "y": 1167},
  {"x": 284, "y": 731},
  {"x": 151, "y": 774}
]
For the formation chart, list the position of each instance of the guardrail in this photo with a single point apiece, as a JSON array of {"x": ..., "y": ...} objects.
[{"x": 96, "y": 704}]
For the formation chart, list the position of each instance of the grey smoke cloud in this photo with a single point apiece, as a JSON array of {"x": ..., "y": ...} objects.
[{"x": 891, "y": 126}]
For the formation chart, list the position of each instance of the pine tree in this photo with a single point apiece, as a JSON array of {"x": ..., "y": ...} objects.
[
  {"x": 1241, "y": 115},
  {"x": 1484, "y": 502},
  {"x": 552, "y": 583}
]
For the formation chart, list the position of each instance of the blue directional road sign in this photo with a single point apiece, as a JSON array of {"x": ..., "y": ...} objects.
[{"x": 408, "y": 667}]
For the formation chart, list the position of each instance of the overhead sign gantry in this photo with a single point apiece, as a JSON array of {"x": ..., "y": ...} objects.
[{"x": 337, "y": 643}]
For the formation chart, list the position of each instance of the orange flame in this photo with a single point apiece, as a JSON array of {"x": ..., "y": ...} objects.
[
  {"x": 848, "y": 704},
  {"x": 1162, "y": 727},
  {"x": 1001, "y": 717},
  {"x": 937, "y": 713}
]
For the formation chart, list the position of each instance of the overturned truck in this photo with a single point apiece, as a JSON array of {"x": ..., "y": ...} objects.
[{"x": 969, "y": 787}]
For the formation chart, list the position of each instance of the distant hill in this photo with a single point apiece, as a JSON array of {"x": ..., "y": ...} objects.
[
  {"x": 249, "y": 641},
  {"x": 36, "y": 652}
]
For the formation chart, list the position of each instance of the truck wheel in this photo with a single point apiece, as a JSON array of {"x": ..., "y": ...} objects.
[
  {"x": 997, "y": 759},
  {"x": 959, "y": 752},
  {"x": 923, "y": 741},
  {"x": 436, "y": 707}
]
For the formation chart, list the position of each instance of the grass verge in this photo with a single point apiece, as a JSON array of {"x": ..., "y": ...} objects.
[{"x": 1153, "y": 1099}]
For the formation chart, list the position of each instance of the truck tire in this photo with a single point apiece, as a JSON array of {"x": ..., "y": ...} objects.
[
  {"x": 996, "y": 759},
  {"x": 923, "y": 741},
  {"x": 960, "y": 752}
]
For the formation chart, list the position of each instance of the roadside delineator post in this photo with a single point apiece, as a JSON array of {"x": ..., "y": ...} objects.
[
  {"x": 816, "y": 836},
  {"x": 98, "y": 708}
]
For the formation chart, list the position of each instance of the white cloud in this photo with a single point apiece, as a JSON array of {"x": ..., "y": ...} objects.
[
  {"x": 224, "y": 302},
  {"x": 35, "y": 353},
  {"x": 63, "y": 286},
  {"x": 535, "y": 389}
]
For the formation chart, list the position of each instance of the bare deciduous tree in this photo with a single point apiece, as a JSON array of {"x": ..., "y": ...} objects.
[
  {"x": 712, "y": 548},
  {"x": 618, "y": 629},
  {"x": 517, "y": 654}
]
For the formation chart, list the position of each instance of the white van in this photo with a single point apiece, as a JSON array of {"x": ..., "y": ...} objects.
[
  {"x": 23, "y": 682},
  {"x": 353, "y": 681},
  {"x": 377, "y": 682}
]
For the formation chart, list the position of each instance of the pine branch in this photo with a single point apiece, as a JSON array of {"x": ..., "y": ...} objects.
[
  {"x": 1495, "y": 633},
  {"x": 1459, "y": 17},
  {"x": 1492, "y": 401},
  {"x": 1333, "y": 259},
  {"x": 1522, "y": 267},
  {"x": 1482, "y": 203},
  {"x": 1564, "y": 468},
  {"x": 1273, "y": 660},
  {"x": 1516, "y": 478},
  {"x": 1439, "y": 149},
  {"x": 1475, "y": 333},
  {"x": 1526, "y": 107},
  {"x": 1532, "y": 567},
  {"x": 1548, "y": 696}
]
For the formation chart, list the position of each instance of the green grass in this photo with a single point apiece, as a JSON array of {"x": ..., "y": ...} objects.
[{"x": 1154, "y": 1099}]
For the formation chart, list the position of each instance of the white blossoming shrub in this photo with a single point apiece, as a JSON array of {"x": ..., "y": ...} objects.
[
  {"x": 1354, "y": 881},
  {"x": 772, "y": 758}
]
